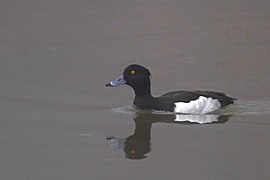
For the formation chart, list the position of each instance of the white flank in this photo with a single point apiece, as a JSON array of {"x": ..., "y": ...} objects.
[{"x": 203, "y": 105}]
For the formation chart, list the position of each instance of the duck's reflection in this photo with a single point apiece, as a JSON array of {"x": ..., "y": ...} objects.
[{"x": 138, "y": 145}]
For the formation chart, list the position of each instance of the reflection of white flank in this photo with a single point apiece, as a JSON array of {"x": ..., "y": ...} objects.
[
  {"x": 201, "y": 119},
  {"x": 202, "y": 105}
]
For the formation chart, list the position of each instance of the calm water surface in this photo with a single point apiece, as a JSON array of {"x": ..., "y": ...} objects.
[{"x": 58, "y": 121}]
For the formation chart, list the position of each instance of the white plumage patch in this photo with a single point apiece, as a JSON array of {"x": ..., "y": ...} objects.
[{"x": 203, "y": 105}]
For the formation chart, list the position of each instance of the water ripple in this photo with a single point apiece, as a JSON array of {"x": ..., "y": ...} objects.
[{"x": 252, "y": 107}]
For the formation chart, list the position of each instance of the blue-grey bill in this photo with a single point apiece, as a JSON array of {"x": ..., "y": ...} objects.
[{"x": 119, "y": 81}]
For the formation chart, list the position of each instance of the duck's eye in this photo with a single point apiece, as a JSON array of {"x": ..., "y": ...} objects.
[{"x": 132, "y": 72}]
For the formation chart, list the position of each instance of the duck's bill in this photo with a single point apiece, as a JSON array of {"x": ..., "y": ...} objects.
[{"x": 119, "y": 81}]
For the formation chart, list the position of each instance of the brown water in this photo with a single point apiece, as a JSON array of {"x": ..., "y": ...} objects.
[{"x": 58, "y": 121}]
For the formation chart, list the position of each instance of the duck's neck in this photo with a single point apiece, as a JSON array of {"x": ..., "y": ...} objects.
[
  {"x": 144, "y": 101},
  {"x": 143, "y": 89},
  {"x": 139, "y": 92}
]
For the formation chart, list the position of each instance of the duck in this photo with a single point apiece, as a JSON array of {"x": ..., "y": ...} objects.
[{"x": 183, "y": 102}]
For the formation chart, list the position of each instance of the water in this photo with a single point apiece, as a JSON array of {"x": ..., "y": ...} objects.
[
  {"x": 58, "y": 121},
  {"x": 138, "y": 145},
  {"x": 255, "y": 107}
]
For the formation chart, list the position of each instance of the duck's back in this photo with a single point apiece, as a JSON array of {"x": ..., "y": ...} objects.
[
  {"x": 187, "y": 96},
  {"x": 196, "y": 102}
]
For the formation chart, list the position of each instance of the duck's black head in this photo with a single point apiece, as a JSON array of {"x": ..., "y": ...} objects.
[{"x": 137, "y": 77}]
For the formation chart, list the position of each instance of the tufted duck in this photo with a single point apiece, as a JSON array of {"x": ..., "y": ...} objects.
[{"x": 187, "y": 102}]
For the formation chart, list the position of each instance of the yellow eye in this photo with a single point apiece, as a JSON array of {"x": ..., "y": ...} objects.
[{"x": 132, "y": 72}]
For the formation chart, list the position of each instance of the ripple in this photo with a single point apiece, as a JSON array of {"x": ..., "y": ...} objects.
[
  {"x": 127, "y": 110},
  {"x": 252, "y": 107}
]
